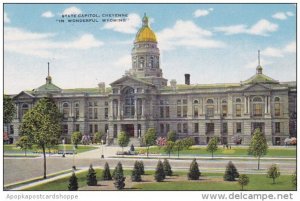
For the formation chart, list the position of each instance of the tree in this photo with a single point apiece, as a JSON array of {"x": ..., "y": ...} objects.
[
  {"x": 98, "y": 137},
  {"x": 188, "y": 142},
  {"x": 150, "y": 138},
  {"x": 258, "y": 146},
  {"x": 123, "y": 139},
  {"x": 24, "y": 144},
  {"x": 76, "y": 138},
  {"x": 243, "y": 180},
  {"x": 8, "y": 109},
  {"x": 119, "y": 177},
  {"x": 178, "y": 146},
  {"x": 167, "y": 168},
  {"x": 212, "y": 146},
  {"x": 136, "y": 174},
  {"x": 171, "y": 136},
  {"x": 231, "y": 172},
  {"x": 52, "y": 144},
  {"x": 73, "y": 184},
  {"x": 106, "y": 173},
  {"x": 91, "y": 177},
  {"x": 294, "y": 179},
  {"x": 41, "y": 124},
  {"x": 159, "y": 172},
  {"x": 169, "y": 147},
  {"x": 194, "y": 172},
  {"x": 273, "y": 172},
  {"x": 141, "y": 167}
]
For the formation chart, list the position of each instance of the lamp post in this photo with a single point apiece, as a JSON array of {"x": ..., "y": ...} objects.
[
  {"x": 74, "y": 149},
  {"x": 102, "y": 143},
  {"x": 64, "y": 148}
]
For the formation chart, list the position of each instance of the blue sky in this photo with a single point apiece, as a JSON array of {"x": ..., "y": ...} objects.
[{"x": 215, "y": 43}]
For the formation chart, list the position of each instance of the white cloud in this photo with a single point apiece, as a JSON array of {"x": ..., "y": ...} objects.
[
  {"x": 43, "y": 44},
  {"x": 124, "y": 62},
  {"x": 72, "y": 10},
  {"x": 272, "y": 52},
  {"x": 291, "y": 47},
  {"x": 6, "y": 18},
  {"x": 280, "y": 16},
  {"x": 47, "y": 14},
  {"x": 254, "y": 63},
  {"x": 262, "y": 28},
  {"x": 280, "y": 52},
  {"x": 202, "y": 12},
  {"x": 129, "y": 26},
  {"x": 186, "y": 34}
]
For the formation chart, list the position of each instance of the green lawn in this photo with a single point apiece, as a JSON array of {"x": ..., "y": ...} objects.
[
  {"x": 234, "y": 151},
  {"x": 257, "y": 182},
  {"x": 12, "y": 149},
  {"x": 208, "y": 181}
]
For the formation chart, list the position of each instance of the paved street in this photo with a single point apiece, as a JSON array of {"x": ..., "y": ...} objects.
[{"x": 19, "y": 169}]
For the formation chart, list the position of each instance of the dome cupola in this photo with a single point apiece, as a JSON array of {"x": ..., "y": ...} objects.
[{"x": 145, "y": 34}]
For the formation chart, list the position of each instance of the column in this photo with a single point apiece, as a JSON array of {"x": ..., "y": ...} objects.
[
  {"x": 249, "y": 100},
  {"x": 245, "y": 105},
  {"x": 269, "y": 104},
  {"x": 119, "y": 108},
  {"x": 135, "y": 108},
  {"x": 111, "y": 109},
  {"x": 266, "y": 103},
  {"x": 143, "y": 107}
]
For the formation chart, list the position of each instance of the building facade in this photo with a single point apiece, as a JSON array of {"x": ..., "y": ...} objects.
[{"x": 142, "y": 99}]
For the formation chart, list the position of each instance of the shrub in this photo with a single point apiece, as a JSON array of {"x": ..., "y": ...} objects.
[
  {"x": 91, "y": 177},
  {"x": 75, "y": 138},
  {"x": 159, "y": 172},
  {"x": 171, "y": 136},
  {"x": 273, "y": 172},
  {"x": 136, "y": 174},
  {"x": 119, "y": 177},
  {"x": 212, "y": 146},
  {"x": 231, "y": 172},
  {"x": 123, "y": 139},
  {"x": 141, "y": 167},
  {"x": 106, "y": 173},
  {"x": 73, "y": 184},
  {"x": 243, "y": 180},
  {"x": 294, "y": 179},
  {"x": 167, "y": 168},
  {"x": 194, "y": 172}
]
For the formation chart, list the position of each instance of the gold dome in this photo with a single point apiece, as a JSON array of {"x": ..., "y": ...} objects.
[{"x": 145, "y": 34}]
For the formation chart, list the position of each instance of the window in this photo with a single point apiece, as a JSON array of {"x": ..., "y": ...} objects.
[
  {"x": 11, "y": 129},
  {"x": 161, "y": 111},
  {"x": 91, "y": 128},
  {"x": 277, "y": 127},
  {"x": 238, "y": 100},
  {"x": 90, "y": 113},
  {"x": 167, "y": 111},
  {"x": 66, "y": 110},
  {"x": 210, "y": 128},
  {"x": 25, "y": 108},
  {"x": 257, "y": 109},
  {"x": 129, "y": 109},
  {"x": 76, "y": 110},
  {"x": 196, "y": 108},
  {"x": 210, "y": 110},
  {"x": 115, "y": 130},
  {"x": 95, "y": 113},
  {"x": 162, "y": 128},
  {"x": 95, "y": 103},
  {"x": 224, "y": 128},
  {"x": 77, "y": 127},
  {"x": 196, "y": 127},
  {"x": 238, "y": 127},
  {"x": 167, "y": 128},
  {"x": 238, "y": 110},
  {"x": 184, "y": 111},
  {"x": 178, "y": 128},
  {"x": 65, "y": 129},
  {"x": 258, "y": 125},
  {"x": 106, "y": 128},
  {"x": 277, "y": 109},
  {"x": 224, "y": 110},
  {"x": 185, "y": 128},
  {"x": 95, "y": 128},
  {"x": 106, "y": 113}
]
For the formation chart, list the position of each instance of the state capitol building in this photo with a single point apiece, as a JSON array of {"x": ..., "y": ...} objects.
[{"x": 143, "y": 99}]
